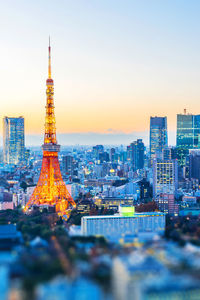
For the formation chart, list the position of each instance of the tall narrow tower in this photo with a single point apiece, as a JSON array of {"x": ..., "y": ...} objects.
[{"x": 51, "y": 189}]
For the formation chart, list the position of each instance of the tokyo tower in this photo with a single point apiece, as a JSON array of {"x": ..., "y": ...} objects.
[{"x": 51, "y": 189}]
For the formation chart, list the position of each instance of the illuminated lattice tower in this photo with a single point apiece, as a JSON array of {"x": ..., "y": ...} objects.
[{"x": 51, "y": 189}]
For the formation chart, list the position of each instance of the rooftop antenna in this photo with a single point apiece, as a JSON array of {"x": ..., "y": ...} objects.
[{"x": 49, "y": 67}]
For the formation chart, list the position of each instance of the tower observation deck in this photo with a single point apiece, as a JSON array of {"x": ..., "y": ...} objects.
[{"x": 51, "y": 189}]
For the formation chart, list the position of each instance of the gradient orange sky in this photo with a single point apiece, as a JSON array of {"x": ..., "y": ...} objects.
[{"x": 114, "y": 63}]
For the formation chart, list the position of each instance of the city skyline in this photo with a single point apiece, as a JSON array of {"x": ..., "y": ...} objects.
[
  {"x": 108, "y": 82},
  {"x": 100, "y": 149},
  {"x": 92, "y": 138}
]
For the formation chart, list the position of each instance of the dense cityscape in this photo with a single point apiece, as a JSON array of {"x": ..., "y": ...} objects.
[
  {"x": 129, "y": 227},
  {"x": 95, "y": 220}
]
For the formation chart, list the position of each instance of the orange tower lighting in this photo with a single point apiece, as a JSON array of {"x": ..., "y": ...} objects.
[{"x": 51, "y": 189}]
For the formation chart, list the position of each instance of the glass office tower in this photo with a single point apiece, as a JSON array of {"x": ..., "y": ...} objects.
[
  {"x": 197, "y": 131},
  {"x": 135, "y": 154},
  {"x": 188, "y": 131},
  {"x": 158, "y": 136},
  {"x": 187, "y": 135},
  {"x": 13, "y": 140},
  {"x": 185, "y": 131}
]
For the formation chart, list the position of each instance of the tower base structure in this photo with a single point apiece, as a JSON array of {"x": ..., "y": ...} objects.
[{"x": 51, "y": 189}]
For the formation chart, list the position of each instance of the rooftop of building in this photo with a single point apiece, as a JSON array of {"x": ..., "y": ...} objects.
[
  {"x": 116, "y": 198},
  {"x": 136, "y": 215}
]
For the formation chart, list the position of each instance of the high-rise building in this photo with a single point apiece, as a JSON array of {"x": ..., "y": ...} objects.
[
  {"x": 112, "y": 154},
  {"x": 145, "y": 190},
  {"x": 104, "y": 156},
  {"x": 196, "y": 131},
  {"x": 187, "y": 135},
  {"x": 67, "y": 164},
  {"x": 188, "y": 131},
  {"x": 165, "y": 177},
  {"x": 166, "y": 154},
  {"x": 180, "y": 154},
  {"x": 185, "y": 131},
  {"x": 13, "y": 140},
  {"x": 194, "y": 165},
  {"x": 96, "y": 150},
  {"x": 135, "y": 154},
  {"x": 158, "y": 136}
]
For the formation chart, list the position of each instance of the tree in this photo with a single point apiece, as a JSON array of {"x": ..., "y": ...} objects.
[{"x": 147, "y": 207}]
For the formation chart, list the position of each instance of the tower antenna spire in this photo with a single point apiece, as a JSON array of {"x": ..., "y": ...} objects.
[
  {"x": 51, "y": 189},
  {"x": 49, "y": 66}
]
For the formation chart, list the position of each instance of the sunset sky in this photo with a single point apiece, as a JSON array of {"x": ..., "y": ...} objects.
[{"x": 114, "y": 63}]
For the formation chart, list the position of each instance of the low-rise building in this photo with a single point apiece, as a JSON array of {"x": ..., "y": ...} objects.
[
  {"x": 116, "y": 227},
  {"x": 113, "y": 202},
  {"x": 166, "y": 203},
  {"x": 6, "y": 200},
  {"x": 85, "y": 206}
]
